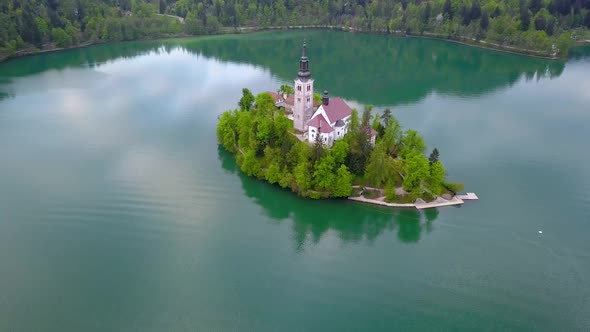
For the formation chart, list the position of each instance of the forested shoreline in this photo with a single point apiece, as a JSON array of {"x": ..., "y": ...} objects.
[
  {"x": 544, "y": 27},
  {"x": 266, "y": 147}
]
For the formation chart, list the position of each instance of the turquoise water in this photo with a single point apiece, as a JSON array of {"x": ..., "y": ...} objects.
[{"x": 118, "y": 211}]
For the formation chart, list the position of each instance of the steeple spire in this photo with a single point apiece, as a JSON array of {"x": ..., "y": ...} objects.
[
  {"x": 304, "y": 50},
  {"x": 304, "y": 73}
]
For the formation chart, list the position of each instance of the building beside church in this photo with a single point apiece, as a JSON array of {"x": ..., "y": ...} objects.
[{"x": 330, "y": 119}]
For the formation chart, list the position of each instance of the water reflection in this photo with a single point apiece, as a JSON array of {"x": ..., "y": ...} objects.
[
  {"x": 351, "y": 222},
  {"x": 385, "y": 70}
]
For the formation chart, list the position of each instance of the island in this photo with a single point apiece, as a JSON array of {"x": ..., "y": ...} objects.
[{"x": 319, "y": 147}]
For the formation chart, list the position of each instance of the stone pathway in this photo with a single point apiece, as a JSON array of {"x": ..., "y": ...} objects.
[{"x": 438, "y": 202}]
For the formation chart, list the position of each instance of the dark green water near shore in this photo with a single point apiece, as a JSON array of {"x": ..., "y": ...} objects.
[{"x": 118, "y": 212}]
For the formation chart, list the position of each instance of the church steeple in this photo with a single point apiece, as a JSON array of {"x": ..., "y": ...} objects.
[{"x": 304, "y": 64}]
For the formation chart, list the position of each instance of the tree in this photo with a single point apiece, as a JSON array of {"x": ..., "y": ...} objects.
[
  {"x": 436, "y": 178},
  {"x": 302, "y": 177},
  {"x": 535, "y": 6},
  {"x": 484, "y": 23},
  {"x": 448, "y": 9},
  {"x": 475, "y": 10},
  {"x": 286, "y": 89},
  {"x": 343, "y": 186},
  {"x": 386, "y": 116},
  {"x": 417, "y": 171},
  {"x": 226, "y": 131},
  {"x": 525, "y": 16},
  {"x": 323, "y": 176},
  {"x": 273, "y": 173},
  {"x": 247, "y": 100},
  {"x": 366, "y": 116},
  {"x": 250, "y": 164},
  {"x": 354, "y": 121},
  {"x": 390, "y": 192},
  {"x": 317, "y": 98},
  {"x": 340, "y": 151},
  {"x": 433, "y": 156},
  {"x": 265, "y": 103},
  {"x": 587, "y": 20},
  {"x": 318, "y": 148},
  {"x": 540, "y": 22},
  {"x": 412, "y": 142},
  {"x": 379, "y": 167},
  {"x": 392, "y": 137},
  {"x": 60, "y": 37}
]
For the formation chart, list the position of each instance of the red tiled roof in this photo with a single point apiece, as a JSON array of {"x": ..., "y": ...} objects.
[
  {"x": 337, "y": 109},
  {"x": 290, "y": 100},
  {"x": 319, "y": 121},
  {"x": 275, "y": 96}
]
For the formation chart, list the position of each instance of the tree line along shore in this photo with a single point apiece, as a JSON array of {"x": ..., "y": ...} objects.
[
  {"x": 546, "y": 28},
  {"x": 266, "y": 147}
]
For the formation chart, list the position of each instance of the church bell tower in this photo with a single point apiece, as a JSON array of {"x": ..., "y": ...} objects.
[{"x": 303, "y": 103}]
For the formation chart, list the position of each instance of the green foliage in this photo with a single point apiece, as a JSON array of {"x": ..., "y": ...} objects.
[
  {"x": 340, "y": 151},
  {"x": 60, "y": 37},
  {"x": 380, "y": 167},
  {"x": 390, "y": 192},
  {"x": 417, "y": 171},
  {"x": 259, "y": 136},
  {"x": 343, "y": 186},
  {"x": 412, "y": 143},
  {"x": 247, "y": 100},
  {"x": 436, "y": 178},
  {"x": 324, "y": 176},
  {"x": 317, "y": 98},
  {"x": 454, "y": 187},
  {"x": 287, "y": 89},
  {"x": 433, "y": 156}
]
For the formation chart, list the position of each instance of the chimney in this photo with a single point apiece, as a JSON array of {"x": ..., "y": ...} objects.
[{"x": 325, "y": 98}]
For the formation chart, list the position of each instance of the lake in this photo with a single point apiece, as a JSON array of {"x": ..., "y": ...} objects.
[{"x": 119, "y": 212}]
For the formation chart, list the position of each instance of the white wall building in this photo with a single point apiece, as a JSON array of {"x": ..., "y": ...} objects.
[{"x": 331, "y": 120}]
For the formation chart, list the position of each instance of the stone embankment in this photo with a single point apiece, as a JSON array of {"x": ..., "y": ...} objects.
[{"x": 419, "y": 204}]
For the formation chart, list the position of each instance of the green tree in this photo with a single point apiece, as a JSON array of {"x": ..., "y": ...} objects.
[
  {"x": 433, "y": 156},
  {"x": 302, "y": 177},
  {"x": 436, "y": 178},
  {"x": 386, "y": 116},
  {"x": 273, "y": 173},
  {"x": 60, "y": 37},
  {"x": 417, "y": 171},
  {"x": 412, "y": 142},
  {"x": 247, "y": 100},
  {"x": 286, "y": 89},
  {"x": 390, "y": 192},
  {"x": 379, "y": 167},
  {"x": 340, "y": 151},
  {"x": 324, "y": 176},
  {"x": 343, "y": 186}
]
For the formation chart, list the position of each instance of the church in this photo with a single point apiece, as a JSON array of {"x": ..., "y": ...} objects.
[{"x": 330, "y": 119}]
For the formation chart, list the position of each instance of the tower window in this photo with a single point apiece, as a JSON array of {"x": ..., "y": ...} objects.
[
  {"x": 308, "y": 99},
  {"x": 298, "y": 99},
  {"x": 299, "y": 88},
  {"x": 308, "y": 88}
]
